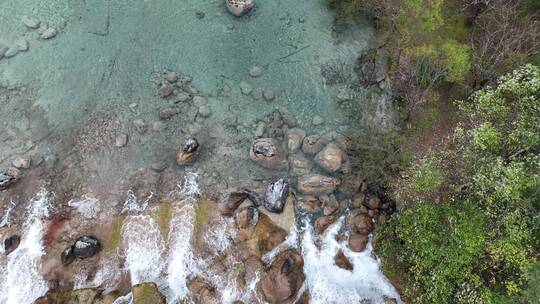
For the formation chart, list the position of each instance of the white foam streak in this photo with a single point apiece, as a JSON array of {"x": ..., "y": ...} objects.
[
  {"x": 6, "y": 218},
  {"x": 328, "y": 283},
  {"x": 24, "y": 282}
]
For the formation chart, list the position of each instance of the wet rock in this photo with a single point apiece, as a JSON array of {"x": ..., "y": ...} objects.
[
  {"x": 299, "y": 165},
  {"x": 86, "y": 246},
  {"x": 276, "y": 195},
  {"x": 49, "y": 33},
  {"x": 247, "y": 217},
  {"x": 239, "y": 7},
  {"x": 373, "y": 202},
  {"x": 360, "y": 223},
  {"x": 358, "y": 242},
  {"x": 121, "y": 140},
  {"x": 358, "y": 200},
  {"x": 245, "y": 88},
  {"x": 31, "y": 22},
  {"x": 267, "y": 153},
  {"x": 294, "y": 139},
  {"x": 79, "y": 296},
  {"x": 140, "y": 126},
  {"x": 67, "y": 256},
  {"x": 22, "y": 162},
  {"x": 6, "y": 179},
  {"x": 388, "y": 300},
  {"x": 254, "y": 198},
  {"x": 342, "y": 261},
  {"x": 268, "y": 95},
  {"x": 322, "y": 223},
  {"x": 255, "y": 71},
  {"x": 165, "y": 90},
  {"x": 200, "y": 15},
  {"x": 309, "y": 203},
  {"x": 189, "y": 151},
  {"x": 147, "y": 293},
  {"x": 317, "y": 120},
  {"x": 317, "y": 184},
  {"x": 171, "y": 77},
  {"x": 11, "y": 243},
  {"x": 233, "y": 201},
  {"x": 313, "y": 144},
  {"x": 330, "y": 203},
  {"x": 330, "y": 158},
  {"x": 202, "y": 291},
  {"x": 285, "y": 277},
  {"x": 167, "y": 113}
]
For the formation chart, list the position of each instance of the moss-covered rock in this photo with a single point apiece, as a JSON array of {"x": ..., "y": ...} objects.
[{"x": 147, "y": 293}]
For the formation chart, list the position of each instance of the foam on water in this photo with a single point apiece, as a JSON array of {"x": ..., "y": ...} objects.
[
  {"x": 181, "y": 262},
  {"x": 6, "y": 217},
  {"x": 88, "y": 207},
  {"x": 23, "y": 282},
  {"x": 329, "y": 283}
]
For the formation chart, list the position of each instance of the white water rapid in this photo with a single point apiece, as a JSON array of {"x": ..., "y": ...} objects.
[{"x": 21, "y": 279}]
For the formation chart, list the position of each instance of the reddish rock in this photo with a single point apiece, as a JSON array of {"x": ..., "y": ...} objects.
[
  {"x": 342, "y": 261},
  {"x": 373, "y": 202},
  {"x": 361, "y": 223},
  {"x": 358, "y": 242},
  {"x": 285, "y": 277},
  {"x": 322, "y": 223},
  {"x": 234, "y": 200},
  {"x": 166, "y": 90}
]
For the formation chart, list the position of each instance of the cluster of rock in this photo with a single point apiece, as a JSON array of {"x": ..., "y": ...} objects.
[
  {"x": 84, "y": 247},
  {"x": 22, "y": 45},
  {"x": 9, "y": 176}
]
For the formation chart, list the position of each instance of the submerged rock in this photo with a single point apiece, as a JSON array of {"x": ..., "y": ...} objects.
[
  {"x": 255, "y": 71},
  {"x": 167, "y": 113},
  {"x": 147, "y": 293},
  {"x": 121, "y": 140},
  {"x": 11, "y": 243},
  {"x": 239, "y": 7},
  {"x": 309, "y": 203},
  {"x": 6, "y": 179},
  {"x": 294, "y": 139},
  {"x": 22, "y": 162},
  {"x": 86, "y": 246},
  {"x": 313, "y": 144},
  {"x": 330, "y": 158},
  {"x": 317, "y": 184},
  {"x": 299, "y": 165},
  {"x": 267, "y": 153},
  {"x": 285, "y": 277},
  {"x": 49, "y": 33},
  {"x": 276, "y": 195},
  {"x": 189, "y": 151},
  {"x": 31, "y": 22},
  {"x": 166, "y": 90}
]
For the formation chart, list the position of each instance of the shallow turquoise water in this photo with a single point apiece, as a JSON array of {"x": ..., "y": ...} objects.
[{"x": 110, "y": 54}]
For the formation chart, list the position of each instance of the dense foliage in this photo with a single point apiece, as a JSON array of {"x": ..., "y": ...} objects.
[{"x": 481, "y": 244}]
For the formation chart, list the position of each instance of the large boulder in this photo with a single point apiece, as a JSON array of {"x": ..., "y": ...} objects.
[
  {"x": 330, "y": 158},
  {"x": 360, "y": 223},
  {"x": 147, "y": 293},
  {"x": 342, "y": 261},
  {"x": 267, "y": 153},
  {"x": 189, "y": 151},
  {"x": 239, "y": 7},
  {"x": 322, "y": 223},
  {"x": 358, "y": 242},
  {"x": 232, "y": 202},
  {"x": 86, "y": 246},
  {"x": 6, "y": 179},
  {"x": 317, "y": 184},
  {"x": 285, "y": 277},
  {"x": 276, "y": 195}
]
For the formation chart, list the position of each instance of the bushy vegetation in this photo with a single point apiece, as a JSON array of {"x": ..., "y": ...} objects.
[{"x": 482, "y": 243}]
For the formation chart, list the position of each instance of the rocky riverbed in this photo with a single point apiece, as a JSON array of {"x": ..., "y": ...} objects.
[{"x": 160, "y": 152}]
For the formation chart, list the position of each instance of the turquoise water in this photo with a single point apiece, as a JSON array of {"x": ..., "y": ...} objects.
[{"x": 109, "y": 55}]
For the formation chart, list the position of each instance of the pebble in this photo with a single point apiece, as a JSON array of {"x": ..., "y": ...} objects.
[
  {"x": 268, "y": 95},
  {"x": 204, "y": 110},
  {"x": 167, "y": 113},
  {"x": 317, "y": 120},
  {"x": 140, "y": 125},
  {"x": 171, "y": 77},
  {"x": 49, "y": 33},
  {"x": 11, "y": 52},
  {"x": 23, "y": 162},
  {"x": 121, "y": 140},
  {"x": 183, "y": 97},
  {"x": 31, "y": 22},
  {"x": 22, "y": 45},
  {"x": 166, "y": 90},
  {"x": 255, "y": 71},
  {"x": 245, "y": 88},
  {"x": 159, "y": 126},
  {"x": 261, "y": 126}
]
